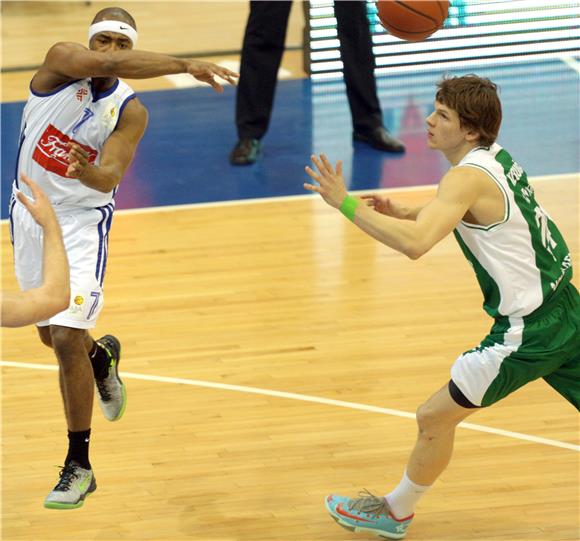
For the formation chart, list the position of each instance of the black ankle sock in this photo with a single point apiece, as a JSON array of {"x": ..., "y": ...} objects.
[
  {"x": 78, "y": 448},
  {"x": 99, "y": 361}
]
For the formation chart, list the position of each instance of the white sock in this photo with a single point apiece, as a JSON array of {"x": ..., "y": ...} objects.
[{"x": 404, "y": 498}]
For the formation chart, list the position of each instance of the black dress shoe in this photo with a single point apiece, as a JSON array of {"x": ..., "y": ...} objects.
[
  {"x": 245, "y": 152},
  {"x": 380, "y": 139}
]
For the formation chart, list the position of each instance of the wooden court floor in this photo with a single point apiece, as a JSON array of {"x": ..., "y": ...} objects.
[
  {"x": 217, "y": 306},
  {"x": 283, "y": 296}
]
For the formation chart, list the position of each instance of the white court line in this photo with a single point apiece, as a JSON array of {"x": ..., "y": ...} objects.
[
  {"x": 306, "y": 398},
  {"x": 571, "y": 62},
  {"x": 277, "y": 199}
]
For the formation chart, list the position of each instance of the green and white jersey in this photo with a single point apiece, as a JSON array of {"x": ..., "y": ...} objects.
[{"x": 521, "y": 261}]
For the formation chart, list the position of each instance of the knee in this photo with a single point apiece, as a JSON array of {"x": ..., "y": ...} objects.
[
  {"x": 434, "y": 421},
  {"x": 427, "y": 418},
  {"x": 67, "y": 342}
]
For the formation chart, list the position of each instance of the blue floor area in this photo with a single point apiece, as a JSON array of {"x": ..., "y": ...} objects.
[{"x": 183, "y": 157}]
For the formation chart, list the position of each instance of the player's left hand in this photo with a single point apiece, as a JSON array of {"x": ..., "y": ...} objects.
[
  {"x": 331, "y": 183},
  {"x": 78, "y": 160},
  {"x": 206, "y": 73}
]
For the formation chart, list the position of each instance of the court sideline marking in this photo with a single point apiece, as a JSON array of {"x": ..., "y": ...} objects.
[
  {"x": 307, "y": 398},
  {"x": 306, "y": 196}
]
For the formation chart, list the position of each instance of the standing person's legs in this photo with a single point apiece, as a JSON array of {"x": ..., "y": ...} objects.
[
  {"x": 356, "y": 49},
  {"x": 262, "y": 52},
  {"x": 359, "y": 64}
]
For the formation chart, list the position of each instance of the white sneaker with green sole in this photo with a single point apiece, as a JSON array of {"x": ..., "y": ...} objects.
[
  {"x": 111, "y": 390},
  {"x": 74, "y": 485}
]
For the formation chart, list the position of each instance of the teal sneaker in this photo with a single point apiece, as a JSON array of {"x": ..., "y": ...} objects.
[
  {"x": 111, "y": 390},
  {"x": 367, "y": 514},
  {"x": 74, "y": 485}
]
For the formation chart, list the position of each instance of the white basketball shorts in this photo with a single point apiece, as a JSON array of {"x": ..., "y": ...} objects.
[{"x": 85, "y": 233}]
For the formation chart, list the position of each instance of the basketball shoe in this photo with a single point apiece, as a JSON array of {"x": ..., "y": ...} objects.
[
  {"x": 111, "y": 390},
  {"x": 74, "y": 485},
  {"x": 367, "y": 513}
]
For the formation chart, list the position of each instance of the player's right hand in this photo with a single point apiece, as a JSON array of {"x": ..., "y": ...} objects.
[
  {"x": 78, "y": 161},
  {"x": 207, "y": 71}
]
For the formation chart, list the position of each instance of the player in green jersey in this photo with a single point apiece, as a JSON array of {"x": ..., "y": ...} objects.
[{"x": 523, "y": 267}]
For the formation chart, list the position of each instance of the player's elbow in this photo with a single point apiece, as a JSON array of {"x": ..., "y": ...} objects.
[
  {"x": 415, "y": 250},
  {"x": 54, "y": 299},
  {"x": 106, "y": 187},
  {"x": 413, "y": 254},
  {"x": 106, "y": 64},
  {"x": 108, "y": 182}
]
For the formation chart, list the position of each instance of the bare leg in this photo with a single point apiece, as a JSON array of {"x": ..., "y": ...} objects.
[
  {"x": 437, "y": 419},
  {"x": 76, "y": 375},
  {"x": 46, "y": 338}
]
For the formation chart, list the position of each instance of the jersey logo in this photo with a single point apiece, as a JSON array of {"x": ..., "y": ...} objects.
[
  {"x": 81, "y": 93},
  {"x": 542, "y": 222},
  {"x": 51, "y": 151}
]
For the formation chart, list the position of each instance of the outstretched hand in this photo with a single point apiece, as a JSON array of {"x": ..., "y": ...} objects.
[
  {"x": 330, "y": 181},
  {"x": 206, "y": 73},
  {"x": 39, "y": 207}
]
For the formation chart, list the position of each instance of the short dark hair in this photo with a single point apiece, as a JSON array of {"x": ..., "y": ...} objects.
[
  {"x": 115, "y": 14},
  {"x": 476, "y": 102}
]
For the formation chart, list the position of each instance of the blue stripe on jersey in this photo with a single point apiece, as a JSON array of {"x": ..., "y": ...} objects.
[
  {"x": 20, "y": 143},
  {"x": 53, "y": 92},
  {"x": 10, "y": 219},
  {"x": 122, "y": 108}
]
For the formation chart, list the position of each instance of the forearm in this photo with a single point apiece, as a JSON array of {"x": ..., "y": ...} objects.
[
  {"x": 143, "y": 64},
  {"x": 56, "y": 274},
  {"x": 397, "y": 234},
  {"x": 29, "y": 307},
  {"x": 101, "y": 178}
]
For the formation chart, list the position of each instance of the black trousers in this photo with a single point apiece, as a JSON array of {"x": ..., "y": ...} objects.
[{"x": 262, "y": 52}]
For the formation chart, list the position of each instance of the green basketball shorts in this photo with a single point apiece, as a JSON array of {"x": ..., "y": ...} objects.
[{"x": 545, "y": 344}]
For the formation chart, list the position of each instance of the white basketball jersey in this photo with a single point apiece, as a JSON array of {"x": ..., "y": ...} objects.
[
  {"x": 521, "y": 261},
  {"x": 50, "y": 121}
]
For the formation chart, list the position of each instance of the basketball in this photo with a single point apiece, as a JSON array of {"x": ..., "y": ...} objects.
[{"x": 412, "y": 20}]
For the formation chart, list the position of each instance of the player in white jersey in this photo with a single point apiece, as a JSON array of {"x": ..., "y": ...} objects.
[
  {"x": 80, "y": 128},
  {"x": 523, "y": 267}
]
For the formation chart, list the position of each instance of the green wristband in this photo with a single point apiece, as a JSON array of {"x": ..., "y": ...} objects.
[{"x": 348, "y": 207}]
